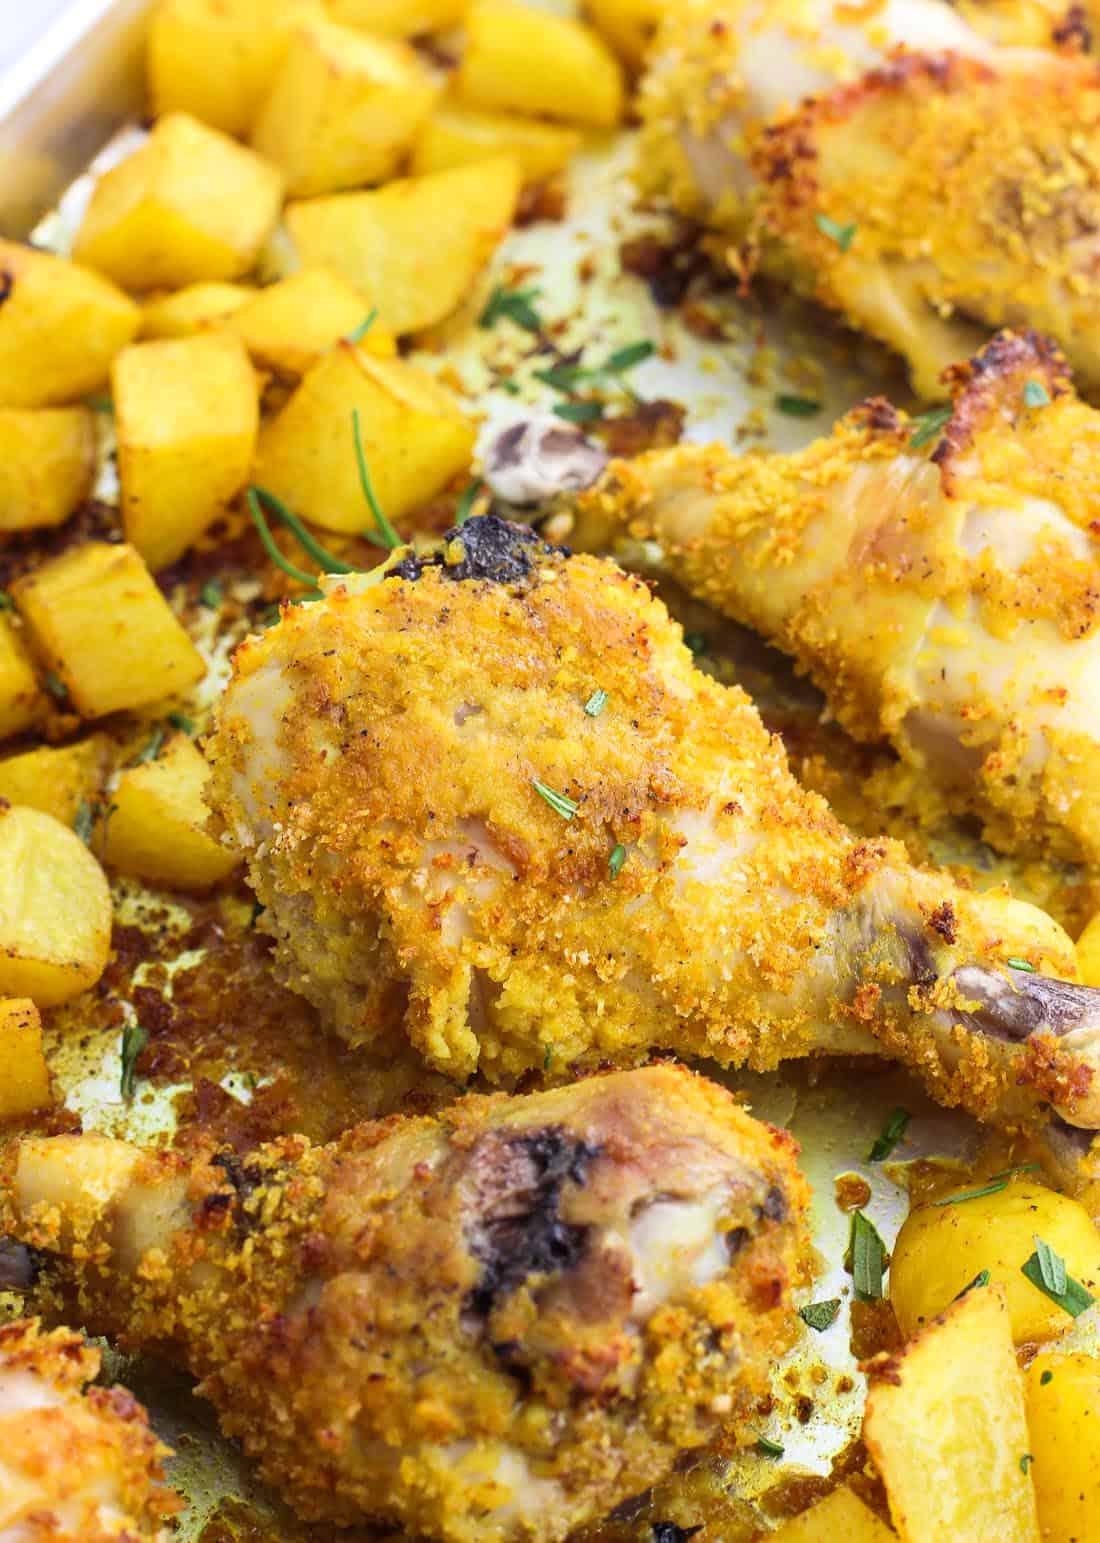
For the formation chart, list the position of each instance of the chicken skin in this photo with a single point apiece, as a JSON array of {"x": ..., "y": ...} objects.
[
  {"x": 889, "y": 161},
  {"x": 496, "y": 1324},
  {"x": 76, "y": 1466},
  {"x": 494, "y": 783},
  {"x": 940, "y": 587}
]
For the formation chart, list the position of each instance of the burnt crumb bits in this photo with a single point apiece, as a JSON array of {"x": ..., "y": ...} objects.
[
  {"x": 518, "y": 1231},
  {"x": 245, "y": 1179},
  {"x": 486, "y": 547},
  {"x": 775, "y": 1205},
  {"x": 671, "y": 1532}
]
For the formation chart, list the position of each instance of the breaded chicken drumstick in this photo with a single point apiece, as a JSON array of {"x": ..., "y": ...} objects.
[
  {"x": 942, "y": 588},
  {"x": 496, "y": 781},
  {"x": 492, "y": 1325},
  {"x": 889, "y": 161},
  {"x": 76, "y": 1466}
]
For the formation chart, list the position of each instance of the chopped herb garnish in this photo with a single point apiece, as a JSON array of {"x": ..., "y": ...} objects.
[
  {"x": 1047, "y": 1270},
  {"x": 359, "y": 333},
  {"x": 1021, "y": 964},
  {"x": 150, "y": 751},
  {"x": 511, "y": 386},
  {"x": 1026, "y": 1462},
  {"x": 889, "y": 1136},
  {"x": 257, "y": 911},
  {"x": 928, "y": 425},
  {"x": 579, "y": 412},
  {"x": 1010, "y": 1173},
  {"x": 211, "y": 594},
  {"x": 259, "y": 519},
  {"x": 134, "y": 1041},
  {"x": 843, "y": 235},
  {"x": 819, "y": 1315},
  {"x": 797, "y": 406},
  {"x": 616, "y": 860},
  {"x": 566, "y": 807},
  {"x": 1045, "y": 1377},
  {"x": 100, "y": 404},
  {"x": 867, "y": 1253},
  {"x": 627, "y": 358},
  {"x": 6, "y": 601},
  {"x": 547, "y": 1057},
  {"x": 181, "y": 722},
  {"x": 563, "y": 377},
  {"x": 981, "y": 1279},
  {"x": 303, "y": 535},
  {"x": 994, "y": 1187},
  {"x": 55, "y": 686},
  {"x": 696, "y": 642},
  {"x": 596, "y": 702},
  {"x": 516, "y": 305},
  {"x": 386, "y": 535},
  {"x": 84, "y": 824},
  {"x": 465, "y": 506},
  {"x": 768, "y": 1448},
  {"x": 1036, "y": 394}
]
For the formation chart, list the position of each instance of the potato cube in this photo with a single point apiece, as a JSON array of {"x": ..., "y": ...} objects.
[
  {"x": 188, "y": 413},
  {"x": 455, "y": 135},
  {"x": 944, "y": 1425},
  {"x": 57, "y": 781},
  {"x": 21, "y": 700},
  {"x": 60, "y": 327},
  {"x": 941, "y": 1248},
  {"x": 521, "y": 60},
  {"x": 55, "y": 909},
  {"x": 104, "y": 627},
  {"x": 1062, "y": 1395},
  {"x": 189, "y": 205},
  {"x": 628, "y": 25},
  {"x": 288, "y": 326},
  {"x": 47, "y": 464},
  {"x": 157, "y": 828},
  {"x": 216, "y": 59},
  {"x": 840, "y": 1518},
  {"x": 379, "y": 241},
  {"x": 415, "y": 439},
  {"x": 194, "y": 309},
  {"x": 1088, "y": 953},
  {"x": 24, "y": 1076},
  {"x": 399, "y": 18},
  {"x": 344, "y": 109}
]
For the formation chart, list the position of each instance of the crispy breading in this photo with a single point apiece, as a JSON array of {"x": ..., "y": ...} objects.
[{"x": 496, "y": 1324}]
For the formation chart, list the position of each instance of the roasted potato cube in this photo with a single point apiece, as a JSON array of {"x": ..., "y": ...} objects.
[
  {"x": 378, "y": 241},
  {"x": 840, "y": 1518},
  {"x": 187, "y": 412},
  {"x": 521, "y": 60},
  {"x": 189, "y": 205},
  {"x": 399, "y": 18},
  {"x": 216, "y": 59},
  {"x": 60, "y": 327},
  {"x": 55, "y": 909},
  {"x": 941, "y": 1248},
  {"x": 1062, "y": 1394},
  {"x": 104, "y": 627},
  {"x": 344, "y": 109},
  {"x": 24, "y": 1077},
  {"x": 455, "y": 135},
  {"x": 1088, "y": 953},
  {"x": 628, "y": 25},
  {"x": 415, "y": 439},
  {"x": 944, "y": 1425},
  {"x": 288, "y": 326},
  {"x": 157, "y": 829},
  {"x": 194, "y": 309},
  {"x": 57, "y": 781},
  {"x": 21, "y": 699},
  {"x": 47, "y": 464}
]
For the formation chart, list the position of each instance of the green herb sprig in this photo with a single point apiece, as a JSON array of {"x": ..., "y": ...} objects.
[
  {"x": 566, "y": 807},
  {"x": 797, "y": 406},
  {"x": 134, "y": 1041},
  {"x": 357, "y": 334},
  {"x": 596, "y": 702},
  {"x": 616, "y": 860},
  {"x": 769, "y": 1448},
  {"x": 892, "y": 1132},
  {"x": 1036, "y": 394},
  {"x": 1046, "y": 1270},
  {"x": 387, "y": 536},
  {"x": 843, "y": 235},
  {"x": 929, "y": 425},
  {"x": 820, "y": 1315},
  {"x": 517, "y": 305},
  {"x": 867, "y": 1257}
]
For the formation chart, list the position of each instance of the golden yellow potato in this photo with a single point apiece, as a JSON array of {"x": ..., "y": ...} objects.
[
  {"x": 55, "y": 909},
  {"x": 289, "y": 325},
  {"x": 840, "y": 1518},
  {"x": 1062, "y": 1395},
  {"x": 157, "y": 830},
  {"x": 47, "y": 464},
  {"x": 21, "y": 698},
  {"x": 1088, "y": 953},
  {"x": 344, "y": 109},
  {"x": 216, "y": 59},
  {"x": 60, "y": 327},
  {"x": 24, "y": 1076},
  {"x": 399, "y": 18},
  {"x": 455, "y": 135},
  {"x": 189, "y": 205},
  {"x": 414, "y": 248},
  {"x": 188, "y": 412},
  {"x": 628, "y": 25},
  {"x": 194, "y": 309},
  {"x": 941, "y": 1248},
  {"x": 57, "y": 781},
  {"x": 105, "y": 629},
  {"x": 529, "y": 61},
  {"x": 414, "y": 436},
  {"x": 944, "y": 1425}
]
